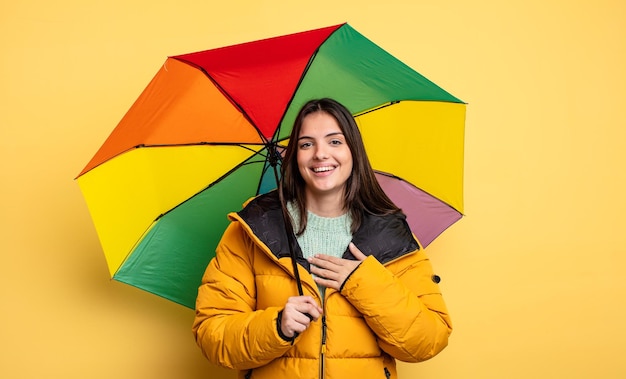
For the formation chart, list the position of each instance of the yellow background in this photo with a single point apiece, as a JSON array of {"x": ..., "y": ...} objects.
[{"x": 533, "y": 275}]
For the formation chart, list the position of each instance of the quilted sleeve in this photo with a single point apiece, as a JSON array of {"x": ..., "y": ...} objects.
[
  {"x": 403, "y": 305},
  {"x": 229, "y": 330}
]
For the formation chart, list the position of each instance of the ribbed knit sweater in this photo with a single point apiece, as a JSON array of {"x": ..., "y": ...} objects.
[{"x": 323, "y": 235}]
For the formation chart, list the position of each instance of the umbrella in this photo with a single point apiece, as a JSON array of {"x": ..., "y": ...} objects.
[{"x": 197, "y": 143}]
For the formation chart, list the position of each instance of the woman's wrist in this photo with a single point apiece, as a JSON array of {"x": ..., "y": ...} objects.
[{"x": 279, "y": 328}]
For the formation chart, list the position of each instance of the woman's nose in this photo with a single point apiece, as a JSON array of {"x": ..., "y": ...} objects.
[{"x": 321, "y": 152}]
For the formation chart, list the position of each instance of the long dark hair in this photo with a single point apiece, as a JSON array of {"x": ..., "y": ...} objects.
[{"x": 363, "y": 194}]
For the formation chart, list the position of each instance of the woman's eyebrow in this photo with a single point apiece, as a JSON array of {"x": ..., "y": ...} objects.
[
  {"x": 326, "y": 136},
  {"x": 334, "y": 134}
]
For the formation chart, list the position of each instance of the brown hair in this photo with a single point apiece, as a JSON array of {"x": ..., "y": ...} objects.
[{"x": 363, "y": 193}]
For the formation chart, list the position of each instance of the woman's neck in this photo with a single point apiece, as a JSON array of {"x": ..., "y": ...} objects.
[{"x": 330, "y": 205}]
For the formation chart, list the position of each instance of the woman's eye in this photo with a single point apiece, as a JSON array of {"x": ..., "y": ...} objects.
[
  {"x": 304, "y": 145},
  {"x": 336, "y": 142}
]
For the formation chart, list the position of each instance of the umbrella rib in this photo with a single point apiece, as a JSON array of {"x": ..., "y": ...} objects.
[
  {"x": 264, "y": 171},
  {"x": 385, "y": 105},
  {"x": 200, "y": 143}
]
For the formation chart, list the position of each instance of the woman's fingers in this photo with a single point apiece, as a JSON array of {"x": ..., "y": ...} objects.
[
  {"x": 332, "y": 271},
  {"x": 298, "y": 314}
]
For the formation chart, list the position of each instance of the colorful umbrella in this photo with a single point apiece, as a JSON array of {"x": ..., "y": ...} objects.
[{"x": 194, "y": 146}]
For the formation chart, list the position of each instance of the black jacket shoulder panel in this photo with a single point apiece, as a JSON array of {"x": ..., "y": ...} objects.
[
  {"x": 385, "y": 237},
  {"x": 264, "y": 215}
]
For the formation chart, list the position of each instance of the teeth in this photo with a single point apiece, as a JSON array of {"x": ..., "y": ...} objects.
[{"x": 322, "y": 169}]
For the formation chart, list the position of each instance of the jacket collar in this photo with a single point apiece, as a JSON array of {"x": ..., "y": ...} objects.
[{"x": 385, "y": 237}]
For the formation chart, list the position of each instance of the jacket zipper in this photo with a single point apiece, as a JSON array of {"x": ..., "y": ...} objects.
[{"x": 323, "y": 347}]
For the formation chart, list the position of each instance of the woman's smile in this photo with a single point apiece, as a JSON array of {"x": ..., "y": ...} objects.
[{"x": 323, "y": 169}]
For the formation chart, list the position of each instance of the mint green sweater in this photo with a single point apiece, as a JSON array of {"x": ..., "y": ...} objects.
[{"x": 323, "y": 235}]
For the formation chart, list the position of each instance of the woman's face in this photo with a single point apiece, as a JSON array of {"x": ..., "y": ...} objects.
[{"x": 324, "y": 158}]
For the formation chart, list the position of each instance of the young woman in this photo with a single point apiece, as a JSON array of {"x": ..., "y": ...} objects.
[{"x": 369, "y": 293}]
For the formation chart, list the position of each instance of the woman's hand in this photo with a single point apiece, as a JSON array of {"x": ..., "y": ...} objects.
[
  {"x": 298, "y": 313},
  {"x": 332, "y": 272}
]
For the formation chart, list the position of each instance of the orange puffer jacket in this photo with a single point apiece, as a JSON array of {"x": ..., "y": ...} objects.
[{"x": 389, "y": 308}]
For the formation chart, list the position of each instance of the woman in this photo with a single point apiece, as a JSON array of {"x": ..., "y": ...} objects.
[{"x": 369, "y": 294}]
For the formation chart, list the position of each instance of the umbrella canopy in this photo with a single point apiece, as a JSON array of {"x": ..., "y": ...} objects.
[{"x": 196, "y": 144}]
